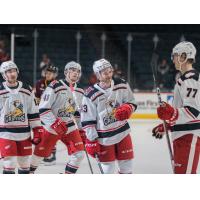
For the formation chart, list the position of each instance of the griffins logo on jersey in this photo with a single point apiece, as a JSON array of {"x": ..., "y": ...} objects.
[
  {"x": 16, "y": 114},
  {"x": 110, "y": 116},
  {"x": 68, "y": 110}
]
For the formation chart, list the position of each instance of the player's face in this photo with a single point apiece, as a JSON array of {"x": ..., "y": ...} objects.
[
  {"x": 176, "y": 62},
  {"x": 11, "y": 75},
  {"x": 106, "y": 75},
  {"x": 49, "y": 76},
  {"x": 74, "y": 74}
]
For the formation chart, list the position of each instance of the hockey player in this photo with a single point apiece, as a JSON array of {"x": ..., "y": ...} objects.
[
  {"x": 18, "y": 116},
  {"x": 184, "y": 116},
  {"x": 58, "y": 107},
  {"x": 50, "y": 74},
  {"x": 106, "y": 107}
]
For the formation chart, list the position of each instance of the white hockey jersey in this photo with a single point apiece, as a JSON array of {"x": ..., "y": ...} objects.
[
  {"x": 98, "y": 109},
  {"x": 187, "y": 101},
  {"x": 18, "y": 112},
  {"x": 61, "y": 101}
]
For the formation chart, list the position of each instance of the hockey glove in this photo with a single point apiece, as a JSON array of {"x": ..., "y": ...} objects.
[
  {"x": 123, "y": 112},
  {"x": 37, "y": 135},
  {"x": 92, "y": 147},
  {"x": 167, "y": 112},
  {"x": 83, "y": 136},
  {"x": 59, "y": 126},
  {"x": 159, "y": 131}
]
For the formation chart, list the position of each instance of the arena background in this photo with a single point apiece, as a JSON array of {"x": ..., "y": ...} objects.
[{"x": 132, "y": 50}]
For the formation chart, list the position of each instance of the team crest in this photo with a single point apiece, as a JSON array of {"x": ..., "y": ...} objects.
[
  {"x": 16, "y": 114},
  {"x": 111, "y": 106},
  {"x": 68, "y": 110}
]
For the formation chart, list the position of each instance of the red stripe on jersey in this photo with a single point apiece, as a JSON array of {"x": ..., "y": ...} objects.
[
  {"x": 44, "y": 113},
  {"x": 88, "y": 126},
  {"x": 12, "y": 126},
  {"x": 36, "y": 119}
]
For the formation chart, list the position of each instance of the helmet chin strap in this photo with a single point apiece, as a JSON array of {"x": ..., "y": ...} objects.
[
  {"x": 68, "y": 79},
  {"x": 181, "y": 63}
]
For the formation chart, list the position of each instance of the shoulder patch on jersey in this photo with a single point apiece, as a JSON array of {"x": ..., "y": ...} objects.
[
  {"x": 192, "y": 74},
  {"x": 54, "y": 84},
  {"x": 118, "y": 81},
  {"x": 90, "y": 91}
]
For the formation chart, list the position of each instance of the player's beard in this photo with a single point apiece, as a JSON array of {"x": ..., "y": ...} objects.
[
  {"x": 105, "y": 83},
  {"x": 12, "y": 80}
]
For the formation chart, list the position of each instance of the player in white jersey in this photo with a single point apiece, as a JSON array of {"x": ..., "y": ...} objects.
[
  {"x": 106, "y": 107},
  {"x": 184, "y": 117},
  {"x": 59, "y": 112},
  {"x": 18, "y": 116}
]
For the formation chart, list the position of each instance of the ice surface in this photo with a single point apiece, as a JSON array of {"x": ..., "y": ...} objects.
[{"x": 151, "y": 155}]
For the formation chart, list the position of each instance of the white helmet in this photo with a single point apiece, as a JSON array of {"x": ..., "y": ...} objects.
[
  {"x": 101, "y": 64},
  {"x": 185, "y": 47},
  {"x": 72, "y": 64},
  {"x": 7, "y": 65}
]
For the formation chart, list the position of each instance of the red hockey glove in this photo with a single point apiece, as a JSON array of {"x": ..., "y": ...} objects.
[
  {"x": 37, "y": 135},
  {"x": 167, "y": 112},
  {"x": 83, "y": 135},
  {"x": 159, "y": 131},
  {"x": 123, "y": 112},
  {"x": 59, "y": 126},
  {"x": 92, "y": 147}
]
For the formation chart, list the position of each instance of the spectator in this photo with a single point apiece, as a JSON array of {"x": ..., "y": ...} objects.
[
  {"x": 3, "y": 55},
  {"x": 92, "y": 79},
  {"x": 44, "y": 63},
  {"x": 117, "y": 72},
  {"x": 163, "y": 73}
]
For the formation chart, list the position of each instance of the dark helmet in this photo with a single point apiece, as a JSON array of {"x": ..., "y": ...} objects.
[{"x": 51, "y": 68}]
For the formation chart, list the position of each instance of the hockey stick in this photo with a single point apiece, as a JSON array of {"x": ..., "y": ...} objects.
[
  {"x": 99, "y": 164},
  {"x": 75, "y": 100},
  {"x": 88, "y": 159},
  {"x": 161, "y": 104}
]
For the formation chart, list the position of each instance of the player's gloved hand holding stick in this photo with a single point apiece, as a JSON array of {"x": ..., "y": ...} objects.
[
  {"x": 93, "y": 149},
  {"x": 84, "y": 138},
  {"x": 166, "y": 112}
]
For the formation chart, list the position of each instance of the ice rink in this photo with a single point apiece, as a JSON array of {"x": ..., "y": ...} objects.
[{"x": 151, "y": 155}]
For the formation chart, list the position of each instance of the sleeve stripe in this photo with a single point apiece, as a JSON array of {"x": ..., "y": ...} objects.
[
  {"x": 89, "y": 126},
  {"x": 189, "y": 113},
  {"x": 44, "y": 111},
  {"x": 33, "y": 116},
  {"x": 193, "y": 111},
  {"x": 86, "y": 123},
  {"x": 133, "y": 105},
  {"x": 36, "y": 119}
]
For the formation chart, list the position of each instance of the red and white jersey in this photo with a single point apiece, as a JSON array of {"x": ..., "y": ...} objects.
[
  {"x": 18, "y": 112},
  {"x": 187, "y": 102},
  {"x": 59, "y": 100},
  {"x": 98, "y": 107}
]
